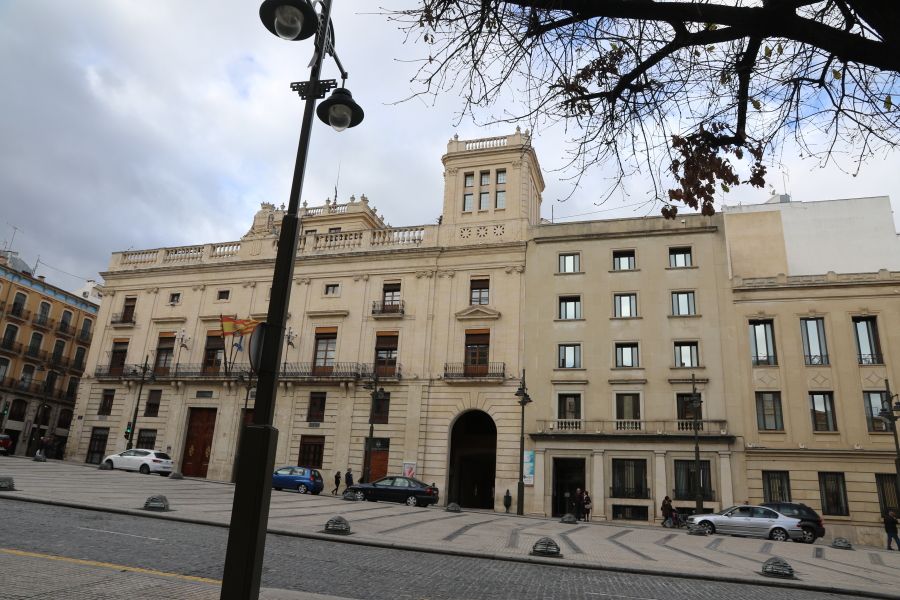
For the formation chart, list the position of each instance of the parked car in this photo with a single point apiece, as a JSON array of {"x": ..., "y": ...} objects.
[
  {"x": 5, "y": 444},
  {"x": 302, "y": 479},
  {"x": 144, "y": 461},
  {"x": 810, "y": 522},
  {"x": 751, "y": 521},
  {"x": 396, "y": 489}
]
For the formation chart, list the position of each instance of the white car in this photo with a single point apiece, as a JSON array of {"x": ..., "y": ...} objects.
[{"x": 145, "y": 461}]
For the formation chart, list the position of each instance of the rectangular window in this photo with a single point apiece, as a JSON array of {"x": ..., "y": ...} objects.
[
  {"x": 484, "y": 201},
  {"x": 213, "y": 353},
  {"x": 686, "y": 480},
  {"x": 680, "y": 257},
  {"x": 623, "y": 260},
  {"x": 768, "y": 411},
  {"x": 469, "y": 179},
  {"x": 812, "y": 331},
  {"x": 334, "y": 230},
  {"x": 479, "y": 291},
  {"x": 627, "y": 355},
  {"x": 390, "y": 296},
  {"x": 128, "y": 310},
  {"x": 208, "y": 394},
  {"x": 687, "y": 354},
  {"x": 500, "y": 199},
  {"x": 312, "y": 448},
  {"x": 332, "y": 289},
  {"x": 165, "y": 350},
  {"x": 326, "y": 345},
  {"x": 175, "y": 298},
  {"x": 146, "y": 439},
  {"x": 570, "y": 307},
  {"x": 568, "y": 407},
  {"x": 628, "y": 411},
  {"x": 501, "y": 176},
  {"x": 316, "y": 412},
  {"x": 887, "y": 491},
  {"x": 867, "y": 344},
  {"x": 570, "y": 263},
  {"x": 625, "y": 305},
  {"x": 153, "y": 400},
  {"x": 381, "y": 407},
  {"x": 569, "y": 356},
  {"x": 478, "y": 347},
  {"x": 485, "y": 178},
  {"x": 776, "y": 486},
  {"x": 683, "y": 304},
  {"x": 762, "y": 343},
  {"x": 833, "y": 492},
  {"x": 467, "y": 202},
  {"x": 687, "y": 410},
  {"x": 629, "y": 478},
  {"x": 386, "y": 354},
  {"x": 821, "y": 406},
  {"x": 223, "y": 295},
  {"x": 875, "y": 401},
  {"x": 106, "y": 402}
]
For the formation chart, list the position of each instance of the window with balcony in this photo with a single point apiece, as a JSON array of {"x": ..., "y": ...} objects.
[
  {"x": 683, "y": 304},
  {"x": 43, "y": 316},
  {"x": 569, "y": 356},
  {"x": 380, "y": 409},
  {"x": 34, "y": 346},
  {"x": 151, "y": 409},
  {"x": 687, "y": 411},
  {"x": 117, "y": 357},
  {"x": 625, "y": 305},
  {"x": 478, "y": 347},
  {"x": 821, "y": 406},
  {"x": 467, "y": 202},
  {"x": 326, "y": 347},
  {"x": 768, "y": 411},
  {"x": 776, "y": 486},
  {"x": 106, "y": 402},
  {"x": 65, "y": 322},
  {"x": 316, "y": 411},
  {"x": 875, "y": 402},
  {"x": 627, "y": 355},
  {"x": 72, "y": 388},
  {"x": 687, "y": 354},
  {"x": 484, "y": 200},
  {"x": 686, "y": 480},
  {"x": 867, "y": 344},
  {"x": 213, "y": 353},
  {"x": 680, "y": 257},
  {"x": 386, "y": 353},
  {"x": 568, "y": 408},
  {"x": 887, "y": 491},
  {"x": 570, "y": 263},
  {"x": 59, "y": 350},
  {"x": 50, "y": 382},
  {"x": 629, "y": 478},
  {"x": 27, "y": 376},
  {"x": 569, "y": 307},
  {"x": 18, "y": 305},
  {"x": 623, "y": 260},
  {"x": 9, "y": 336},
  {"x": 762, "y": 343},
  {"x": 479, "y": 291},
  {"x": 165, "y": 352},
  {"x": 85, "y": 334},
  {"x": 628, "y": 411},
  {"x": 78, "y": 362},
  {"x": 128, "y": 307},
  {"x": 833, "y": 492},
  {"x": 4, "y": 369},
  {"x": 815, "y": 350},
  {"x": 390, "y": 297}
]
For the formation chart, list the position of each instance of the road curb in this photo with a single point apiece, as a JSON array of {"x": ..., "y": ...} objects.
[{"x": 466, "y": 553}]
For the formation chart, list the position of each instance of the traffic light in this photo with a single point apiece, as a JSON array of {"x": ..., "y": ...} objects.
[
  {"x": 5, "y": 410},
  {"x": 128, "y": 430}
]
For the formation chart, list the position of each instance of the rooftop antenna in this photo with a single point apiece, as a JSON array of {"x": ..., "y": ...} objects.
[
  {"x": 9, "y": 245},
  {"x": 36, "y": 263},
  {"x": 784, "y": 179},
  {"x": 336, "y": 182}
]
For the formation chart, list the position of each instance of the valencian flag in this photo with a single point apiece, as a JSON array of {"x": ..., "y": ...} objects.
[{"x": 234, "y": 326}]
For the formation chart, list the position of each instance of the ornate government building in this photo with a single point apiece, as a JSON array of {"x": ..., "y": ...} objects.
[{"x": 771, "y": 328}]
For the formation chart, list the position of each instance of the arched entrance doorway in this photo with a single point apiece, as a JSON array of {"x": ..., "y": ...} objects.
[{"x": 473, "y": 460}]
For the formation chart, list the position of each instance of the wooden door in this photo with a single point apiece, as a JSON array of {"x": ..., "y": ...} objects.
[
  {"x": 378, "y": 458},
  {"x": 198, "y": 442}
]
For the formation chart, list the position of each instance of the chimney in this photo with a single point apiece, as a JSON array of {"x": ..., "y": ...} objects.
[{"x": 42, "y": 277}]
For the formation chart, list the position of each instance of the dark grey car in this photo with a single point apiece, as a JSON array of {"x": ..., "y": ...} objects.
[{"x": 750, "y": 521}]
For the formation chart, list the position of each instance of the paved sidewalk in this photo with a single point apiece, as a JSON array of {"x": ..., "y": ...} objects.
[{"x": 636, "y": 548}]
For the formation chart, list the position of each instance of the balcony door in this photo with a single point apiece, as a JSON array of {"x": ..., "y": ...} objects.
[{"x": 478, "y": 345}]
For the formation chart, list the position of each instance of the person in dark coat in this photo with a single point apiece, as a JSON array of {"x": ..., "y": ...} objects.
[
  {"x": 579, "y": 504},
  {"x": 890, "y": 528},
  {"x": 348, "y": 477},
  {"x": 587, "y": 506},
  {"x": 666, "y": 509},
  {"x": 337, "y": 483}
]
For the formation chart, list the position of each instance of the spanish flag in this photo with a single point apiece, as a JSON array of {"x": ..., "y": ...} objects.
[{"x": 232, "y": 326}]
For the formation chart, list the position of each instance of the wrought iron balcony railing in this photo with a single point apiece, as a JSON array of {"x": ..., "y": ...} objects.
[
  {"x": 368, "y": 370},
  {"x": 10, "y": 346},
  {"x": 629, "y": 492},
  {"x": 390, "y": 307},
  {"x": 42, "y": 321},
  {"x": 122, "y": 318},
  {"x": 635, "y": 427},
  {"x": 35, "y": 353},
  {"x": 17, "y": 311},
  {"x": 689, "y": 494},
  {"x": 65, "y": 329},
  {"x": 58, "y": 360},
  {"x": 770, "y": 361},
  {"x": 815, "y": 359},
  {"x": 85, "y": 336},
  {"x": 312, "y": 370},
  {"x": 870, "y": 359},
  {"x": 494, "y": 370}
]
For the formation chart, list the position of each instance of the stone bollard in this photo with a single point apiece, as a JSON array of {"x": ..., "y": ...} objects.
[
  {"x": 105, "y": 467},
  {"x": 176, "y": 475},
  {"x": 349, "y": 495},
  {"x": 453, "y": 507},
  {"x": 778, "y": 567},
  {"x": 546, "y": 547},
  {"x": 7, "y": 485},
  {"x": 842, "y": 544},
  {"x": 568, "y": 519},
  {"x": 337, "y": 526},
  {"x": 157, "y": 503}
]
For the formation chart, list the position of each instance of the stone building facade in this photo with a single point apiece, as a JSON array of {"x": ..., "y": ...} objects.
[{"x": 630, "y": 332}]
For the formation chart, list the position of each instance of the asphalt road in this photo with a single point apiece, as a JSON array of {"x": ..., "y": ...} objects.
[{"x": 340, "y": 569}]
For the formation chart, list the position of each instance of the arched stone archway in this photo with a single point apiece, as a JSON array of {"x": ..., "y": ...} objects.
[{"x": 473, "y": 460}]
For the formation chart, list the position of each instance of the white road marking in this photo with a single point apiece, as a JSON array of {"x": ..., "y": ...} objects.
[
  {"x": 619, "y": 596},
  {"x": 143, "y": 537}
]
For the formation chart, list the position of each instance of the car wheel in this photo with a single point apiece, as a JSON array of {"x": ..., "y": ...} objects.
[
  {"x": 111, "y": 465},
  {"x": 779, "y": 535},
  {"x": 708, "y": 527},
  {"x": 302, "y": 488},
  {"x": 809, "y": 536},
  {"x": 145, "y": 470},
  {"x": 359, "y": 496},
  {"x": 411, "y": 501}
]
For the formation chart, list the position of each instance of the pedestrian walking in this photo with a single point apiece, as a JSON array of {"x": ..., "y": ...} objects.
[
  {"x": 348, "y": 477},
  {"x": 587, "y": 506},
  {"x": 666, "y": 509},
  {"x": 890, "y": 528},
  {"x": 337, "y": 483},
  {"x": 579, "y": 504}
]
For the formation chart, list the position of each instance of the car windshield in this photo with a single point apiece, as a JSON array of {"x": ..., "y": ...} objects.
[
  {"x": 725, "y": 510},
  {"x": 163, "y": 456}
]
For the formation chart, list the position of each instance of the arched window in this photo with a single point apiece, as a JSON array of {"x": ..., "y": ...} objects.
[
  {"x": 10, "y": 335},
  {"x": 18, "y": 306},
  {"x": 59, "y": 349},
  {"x": 17, "y": 412},
  {"x": 4, "y": 369}
]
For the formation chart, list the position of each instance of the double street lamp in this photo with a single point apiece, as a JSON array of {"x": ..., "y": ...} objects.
[
  {"x": 290, "y": 20},
  {"x": 378, "y": 395},
  {"x": 524, "y": 399},
  {"x": 696, "y": 405},
  {"x": 132, "y": 425},
  {"x": 889, "y": 415}
]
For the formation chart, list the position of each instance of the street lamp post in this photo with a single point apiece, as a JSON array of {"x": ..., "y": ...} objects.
[
  {"x": 242, "y": 424},
  {"x": 889, "y": 414},
  {"x": 290, "y": 20},
  {"x": 35, "y": 436},
  {"x": 137, "y": 403},
  {"x": 696, "y": 404},
  {"x": 524, "y": 398},
  {"x": 378, "y": 395}
]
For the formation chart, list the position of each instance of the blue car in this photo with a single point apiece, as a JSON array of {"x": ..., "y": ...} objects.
[{"x": 302, "y": 479}]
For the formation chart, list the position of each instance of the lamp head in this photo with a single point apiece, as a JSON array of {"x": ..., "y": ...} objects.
[
  {"x": 340, "y": 111},
  {"x": 289, "y": 19}
]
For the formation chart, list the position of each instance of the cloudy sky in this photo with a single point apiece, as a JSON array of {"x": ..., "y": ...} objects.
[{"x": 140, "y": 124}]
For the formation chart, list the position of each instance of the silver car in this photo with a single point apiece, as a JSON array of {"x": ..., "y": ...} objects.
[{"x": 751, "y": 521}]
